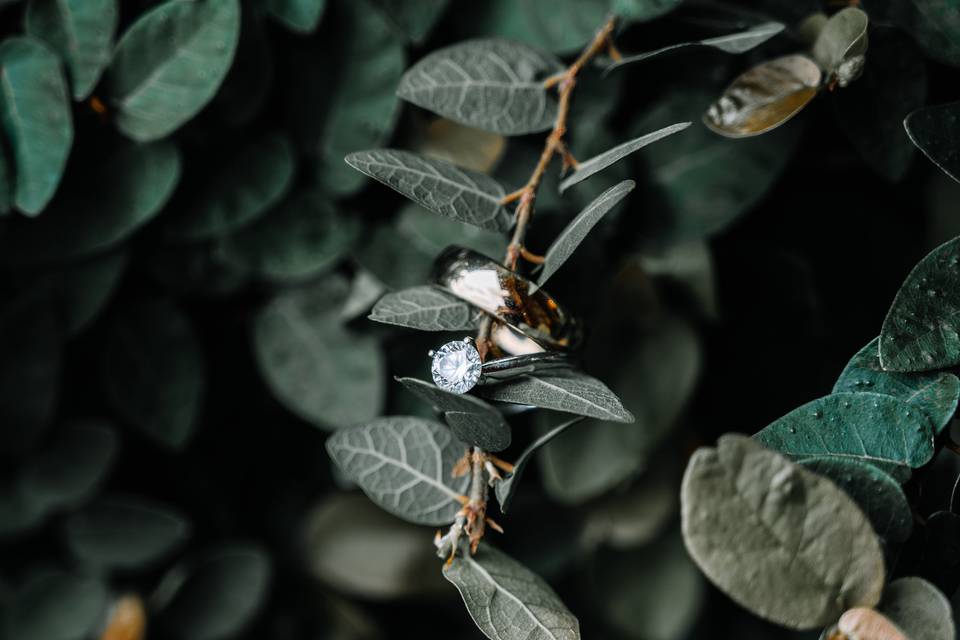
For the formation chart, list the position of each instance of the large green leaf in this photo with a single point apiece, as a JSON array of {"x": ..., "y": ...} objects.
[
  {"x": 507, "y": 601},
  {"x": 934, "y": 131},
  {"x": 153, "y": 371},
  {"x": 490, "y": 84},
  {"x": 919, "y": 609},
  {"x": 426, "y": 308},
  {"x": 560, "y": 26},
  {"x": 250, "y": 183},
  {"x": 935, "y": 394},
  {"x": 506, "y": 487},
  {"x": 568, "y": 391},
  {"x": 81, "y": 32},
  {"x": 473, "y": 421},
  {"x": 169, "y": 64},
  {"x": 405, "y": 465},
  {"x": 783, "y": 542},
  {"x": 321, "y": 371},
  {"x": 920, "y": 332},
  {"x": 301, "y": 16},
  {"x": 35, "y": 114},
  {"x": 876, "y": 429},
  {"x": 53, "y": 605},
  {"x": 842, "y": 38},
  {"x": 93, "y": 215},
  {"x": 445, "y": 189}
]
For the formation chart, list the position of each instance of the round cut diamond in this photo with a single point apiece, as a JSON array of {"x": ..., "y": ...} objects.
[{"x": 456, "y": 366}]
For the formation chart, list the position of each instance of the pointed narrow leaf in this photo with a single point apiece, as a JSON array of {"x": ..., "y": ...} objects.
[
  {"x": 35, "y": 115},
  {"x": 170, "y": 63},
  {"x": 731, "y": 43},
  {"x": 869, "y": 427},
  {"x": 783, "y": 542},
  {"x": 490, "y": 84},
  {"x": 575, "y": 232},
  {"x": 934, "y": 131},
  {"x": 600, "y": 162},
  {"x": 935, "y": 394},
  {"x": 507, "y": 601},
  {"x": 472, "y": 420},
  {"x": 505, "y": 488},
  {"x": 921, "y": 332},
  {"x": 81, "y": 32},
  {"x": 426, "y": 308},
  {"x": 919, "y": 609},
  {"x": 571, "y": 392},
  {"x": 301, "y": 16},
  {"x": 405, "y": 465},
  {"x": 443, "y": 188}
]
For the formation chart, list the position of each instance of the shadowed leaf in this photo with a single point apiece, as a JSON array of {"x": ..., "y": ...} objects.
[
  {"x": 571, "y": 392},
  {"x": 472, "y": 420},
  {"x": 505, "y": 488},
  {"x": 842, "y": 38},
  {"x": 56, "y": 606},
  {"x": 301, "y": 16},
  {"x": 919, "y": 609},
  {"x": 933, "y": 130}
]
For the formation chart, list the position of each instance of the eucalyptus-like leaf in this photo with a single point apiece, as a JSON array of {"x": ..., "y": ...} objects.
[
  {"x": 153, "y": 371},
  {"x": 935, "y": 394},
  {"x": 491, "y": 84},
  {"x": 300, "y": 16},
  {"x": 919, "y": 609},
  {"x": 507, "y": 601},
  {"x": 124, "y": 533},
  {"x": 461, "y": 145},
  {"x": 933, "y": 130},
  {"x": 81, "y": 32},
  {"x": 783, "y": 542},
  {"x": 598, "y": 163},
  {"x": 921, "y": 332},
  {"x": 872, "y": 428},
  {"x": 505, "y": 488},
  {"x": 413, "y": 19},
  {"x": 764, "y": 97},
  {"x": 572, "y": 392},
  {"x": 79, "y": 292},
  {"x": 405, "y": 465},
  {"x": 248, "y": 185},
  {"x": 365, "y": 291},
  {"x": 170, "y": 63},
  {"x": 443, "y": 188},
  {"x": 731, "y": 43},
  {"x": 473, "y": 421},
  {"x": 426, "y": 308},
  {"x": 876, "y": 493},
  {"x": 35, "y": 116},
  {"x": 575, "y": 232},
  {"x": 53, "y": 605},
  {"x": 842, "y": 38}
]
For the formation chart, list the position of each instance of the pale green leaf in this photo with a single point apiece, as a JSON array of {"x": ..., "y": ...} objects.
[
  {"x": 472, "y": 420},
  {"x": 426, "y": 308},
  {"x": 919, "y": 609},
  {"x": 300, "y": 16},
  {"x": 53, "y": 605},
  {"x": 505, "y": 488},
  {"x": 843, "y": 37},
  {"x": 571, "y": 392}
]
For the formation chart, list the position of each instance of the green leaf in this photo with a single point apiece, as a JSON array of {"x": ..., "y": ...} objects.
[
  {"x": 405, "y": 465},
  {"x": 365, "y": 290},
  {"x": 560, "y": 26},
  {"x": 300, "y": 16},
  {"x": 505, "y": 488},
  {"x": 920, "y": 331},
  {"x": 506, "y": 600},
  {"x": 635, "y": 516},
  {"x": 878, "y": 495},
  {"x": 56, "y": 606},
  {"x": 919, "y": 609},
  {"x": 783, "y": 542},
  {"x": 872, "y": 428},
  {"x": 473, "y": 421},
  {"x": 124, "y": 533},
  {"x": 443, "y": 188},
  {"x": 571, "y": 392},
  {"x": 731, "y": 43},
  {"x": 933, "y": 130},
  {"x": 247, "y": 85},
  {"x": 219, "y": 594},
  {"x": 935, "y": 394},
  {"x": 170, "y": 63},
  {"x": 6, "y": 181},
  {"x": 415, "y": 20},
  {"x": 302, "y": 238},
  {"x": 81, "y": 32},
  {"x": 934, "y": 24},
  {"x": 430, "y": 235},
  {"x": 35, "y": 114},
  {"x": 255, "y": 180},
  {"x": 490, "y": 84},
  {"x": 318, "y": 369},
  {"x": 193, "y": 269},
  {"x": 575, "y": 232},
  {"x": 600, "y": 162},
  {"x": 426, "y": 308},
  {"x": 153, "y": 371},
  {"x": 842, "y": 38},
  {"x": 92, "y": 216},
  {"x": 643, "y": 10}
]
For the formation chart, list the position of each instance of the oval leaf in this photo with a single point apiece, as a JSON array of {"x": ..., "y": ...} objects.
[
  {"x": 35, "y": 114},
  {"x": 473, "y": 421},
  {"x": 933, "y": 130},
  {"x": 920, "y": 332},
  {"x": 783, "y": 542},
  {"x": 300, "y": 16},
  {"x": 490, "y": 84},
  {"x": 56, "y": 606},
  {"x": 571, "y": 392},
  {"x": 169, "y": 64},
  {"x": 426, "y": 308},
  {"x": 764, "y": 97},
  {"x": 507, "y": 601},
  {"x": 843, "y": 37},
  {"x": 405, "y": 465},
  {"x": 869, "y": 427},
  {"x": 919, "y": 609}
]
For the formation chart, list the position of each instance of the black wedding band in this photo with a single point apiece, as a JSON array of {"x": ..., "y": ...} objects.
[{"x": 507, "y": 296}]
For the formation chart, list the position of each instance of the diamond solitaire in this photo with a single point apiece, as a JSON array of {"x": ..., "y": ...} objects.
[{"x": 456, "y": 366}]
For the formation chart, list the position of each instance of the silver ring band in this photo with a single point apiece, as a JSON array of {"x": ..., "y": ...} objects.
[{"x": 457, "y": 368}]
